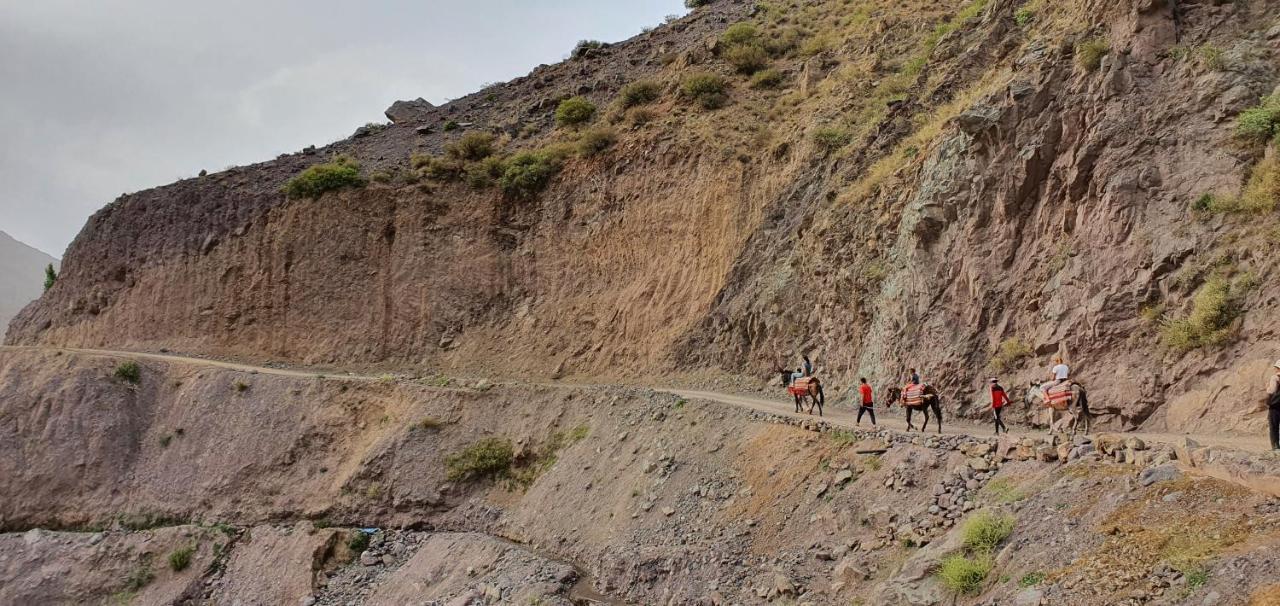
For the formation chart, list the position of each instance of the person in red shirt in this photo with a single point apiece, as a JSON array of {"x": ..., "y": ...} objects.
[
  {"x": 998, "y": 399},
  {"x": 867, "y": 406}
]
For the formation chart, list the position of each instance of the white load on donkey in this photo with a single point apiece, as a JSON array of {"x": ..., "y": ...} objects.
[{"x": 1067, "y": 397}]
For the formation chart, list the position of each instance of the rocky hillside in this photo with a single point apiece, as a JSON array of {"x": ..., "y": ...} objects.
[
  {"x": 149, "y": 482},
  {"x": 966, "y": 187},
  {"x": 21, "y": 275}
]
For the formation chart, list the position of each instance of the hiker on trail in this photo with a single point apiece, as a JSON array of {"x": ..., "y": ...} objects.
[
  {"x": 867, "y": 405},
  {"x": 808, "y": 367},
  {"x": 998, "y": 399},
  {"x": 1273, "y": 407},
  {"x": 915, "y": 377}
]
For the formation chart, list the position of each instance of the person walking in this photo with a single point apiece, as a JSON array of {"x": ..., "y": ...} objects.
[
  {"x": 998, "y": 399},
  {"x": 1273, "y": 407},
  {"x": 867, "y": 405}
]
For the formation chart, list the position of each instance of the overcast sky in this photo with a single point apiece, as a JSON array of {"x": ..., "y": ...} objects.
[{"x": 103, "y": 97}]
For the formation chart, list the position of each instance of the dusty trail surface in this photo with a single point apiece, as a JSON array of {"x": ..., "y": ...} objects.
[{"x": 890, "y": 417}]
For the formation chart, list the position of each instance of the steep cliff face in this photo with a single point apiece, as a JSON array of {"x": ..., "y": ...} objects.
[{"x": 966, "y": 188}]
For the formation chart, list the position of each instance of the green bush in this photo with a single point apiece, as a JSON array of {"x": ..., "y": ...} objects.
[
  {"x": 50, "y": 276},
  {"x": 1024, "y": 16},
  {"x": 596, "y": 141},
  {"x": 747, "y": 58},
  {"x": 1010, "y": 352},
  {"x": 1031, "y": 579},
  {"x": 471, "y": 147},
  {"x": 740, "y": 33},
  {"x": 437, "y": 169},
  {"x": 451, "y": 126},
  {"x": 574, "y": 111},
  {"x": 584, "y": 47},
  {"x": 707, "y": 90},
  {"x": 488, "y": 458},
  {"x": 640, "y": 116},
  {"x": 963, "y": 574},
  {"x": 831, "y": 138},
  {"x": 358, "y": 542},
  {"x": 528, "y": 172},
  {"x": 985, "y": 530},
  {"x": 768, "y": 78},
  {"x": 129, "y": 372},
  {"x": 1002, "y": 491},
  {"x": 139, "y": 578},
  {"x": 641, "y": 92},
  {"x": 180, "y": 559},
  {"x": 1089, "y": 53},
  {"x": 1260, "y": 123},
  {"x": 1213, "y": 308},
  {"x": 486, "y": 172},
  {"x": 320, "y": 178},
  {"x": 696, "y": 3}
]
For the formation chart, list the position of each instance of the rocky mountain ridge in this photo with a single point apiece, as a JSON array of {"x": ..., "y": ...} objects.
[{"x": 955, "y": 187}]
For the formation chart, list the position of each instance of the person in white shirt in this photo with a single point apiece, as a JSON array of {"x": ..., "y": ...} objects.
[{"x": 1058, "y": 375}]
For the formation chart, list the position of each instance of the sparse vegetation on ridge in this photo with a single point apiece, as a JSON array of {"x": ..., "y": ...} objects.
[
  {"x": 129, "y": 372},
  {"x": 574, "y": 111},
  {"x": 316, "y": 180}
]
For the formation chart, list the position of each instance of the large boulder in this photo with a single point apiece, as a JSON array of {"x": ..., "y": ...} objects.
[{"x": 404, "y": 111}]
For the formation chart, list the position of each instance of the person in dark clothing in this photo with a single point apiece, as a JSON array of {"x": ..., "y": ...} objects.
[
  {"x": 1273, "y": 407},
  {"x": 915, "y": 377},
  {"x": 867, "y": 405},
  {"x": 808, "y": 367},
  {"x": 998, "y": 399}
]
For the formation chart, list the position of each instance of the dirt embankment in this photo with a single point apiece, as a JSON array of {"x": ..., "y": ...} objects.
[{"x": 656, "y": 499}]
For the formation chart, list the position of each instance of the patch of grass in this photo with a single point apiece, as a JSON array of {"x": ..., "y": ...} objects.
[
  {"x": 486, "y": 172},
  {"x": 1002, "y": 490},
  {"x": 430, "y": 423},
  {"x": 740, "y": 33},
  {"x": 488, "y": 458},
  {"x": 747, "y": 58},
  {"x": 528, "y": 172},
  {"x": 316, "y": 180},
  {"x": 1024, "y": 16},
  {"x": 1152, "y": 314},
  {"x": 1210, "y": 57},
  {"x": 1010, "y": 352},
  {"x": 830, "y": 139},
  {"x": 451, "y": 125},
  {"x": 1196, "y": 577},
  {"x": 705, "y": 89},
  {"x": 843, "y": 439},
  {"x": 1031, "y": 579},
  {"x": 139, "y": 578},
  {"x": 767, "y": 78},
  {"x": 985, "y": 530},
  {"x": 965, "y": 574},
  {"x": 579, "y": 433},
  {"x": 575, "y": 111},
  {"x": 180, "y": 558},
  {"x": 872, "y": 462},
  {"x": 129, "y": 372},
  {"x": 640, "y": 92},
  {"x": 584, "y": 47},
  {"x": 1213, "y": 308},
  {"x": 640, "y": 116},
  {"x": 1089, "y": 53},
  {"x": 358, "y": 542},
  {"x": 472, "y": 147},
  {"x": 595, "y": 141},
  {"x": 1261, "y": 123}
]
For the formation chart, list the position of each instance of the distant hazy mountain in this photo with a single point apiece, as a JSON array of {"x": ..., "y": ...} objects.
[{"x": 21, "y": 276}]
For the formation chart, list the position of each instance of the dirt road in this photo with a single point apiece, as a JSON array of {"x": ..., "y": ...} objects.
[{"x": 837, "y": 415}]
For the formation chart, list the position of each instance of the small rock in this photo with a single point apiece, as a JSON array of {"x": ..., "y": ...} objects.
[{"x": 1161, "y": 473}]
